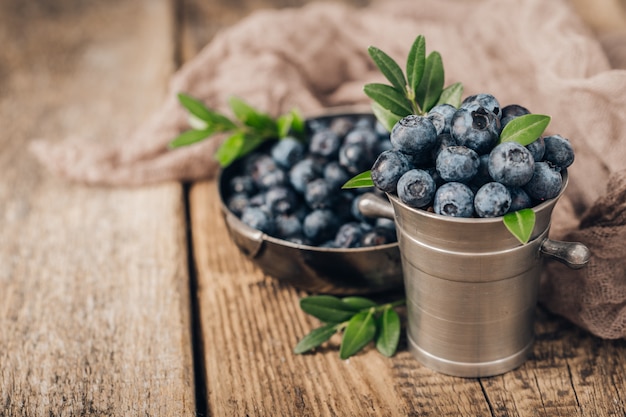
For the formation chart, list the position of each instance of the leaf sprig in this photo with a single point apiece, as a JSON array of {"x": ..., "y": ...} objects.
[
  {"x": 247, "y": 131},
  {"x": 360, "y": 319},
  {"x": 416, "y": 93}
]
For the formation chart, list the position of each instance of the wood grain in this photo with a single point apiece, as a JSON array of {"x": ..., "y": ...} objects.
[{"x": 94, "y": 284}]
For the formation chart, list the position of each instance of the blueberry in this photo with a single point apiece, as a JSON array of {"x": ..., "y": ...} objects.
[
  {"x": 443, "y": 141},
  {"x": 274, "y": 178},
  {"x": 457, "y": 163},
  {"x": 242, "y": 184},
  {"x": 259, "y": 219},
  {"x": 486, "y": 101},
  {"x": 482, "y": 176},
  {"x": 378, "y": 236},
  {"x": 349, "y": 235},
  {"x": 319, "y": 194},
  {"x": 341, "y": 125},
  {"x": 325, "y": 143},
  {"x": 510, "y": 112},
  {"x": 545, "y": 183},
  {"x": 258, "y": 166},
  {"x": 320, "y": 225},
  {"x": 287, "y": 225},
  {"x": 479, "y": 130},
  {"x": 492, "y": 200},
  {"x": 237, "y": 203},
  {"x": 385, "y": 223},
  {"x": 335, "y": 175},
  {"x": 413, "y": 135},
  {"x": 416, "y": 188},
  {"x": 537, "y": 148},
  {"x": 454, "y": 199},
  {"x": 559, "y": 151},
  {"x": 303, "y": 172},
  {"x": 388, "y": 168},
  {"x": 511, "y": 164},
  {"x": 366, "y": 138},
  {"x": 519, "y": 199},
  {"x": 441, "y": 117},
  {"x": 281, "y": 200},
  {"x": 287, "y": 151},
  {"x": 355, "y": 158}
]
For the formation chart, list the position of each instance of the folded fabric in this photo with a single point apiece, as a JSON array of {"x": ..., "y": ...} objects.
[{"x": 534, "y": 53}]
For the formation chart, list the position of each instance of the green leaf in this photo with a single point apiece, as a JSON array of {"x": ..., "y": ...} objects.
[
  {"x": 235, "y": 146},
  {"x": 188, "y": 137},
  {"x": 416, "y": 62},
  {"x": 315, "y": 338},
  {"x": 214, "y": 120},
  {"x": 388, "y": 67},
  {"x": 249, "y": 116},
  {"x": 452, "y": 94},
  {"x": 431, "y": 85},
  {"x": 521, "y": 224},
  {"x": 384, "y": 116},
  {"x": 360, "y": 331},
  {"x": 389, "y": 98},
  {"x": 359, "y": 303},
  {"x": 388, "y": 332},
  {"x": 284, "y": 124},
  {"x": 362, "y": 180},
  {"x": 525, "y": 129},
  {"x": 327, "y": 308}
]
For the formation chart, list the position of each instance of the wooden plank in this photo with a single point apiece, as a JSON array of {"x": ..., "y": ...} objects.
[{"x": 94, "y": 284}]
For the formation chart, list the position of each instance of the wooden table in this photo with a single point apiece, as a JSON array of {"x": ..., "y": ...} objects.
[{"x": 132, "y": 301}]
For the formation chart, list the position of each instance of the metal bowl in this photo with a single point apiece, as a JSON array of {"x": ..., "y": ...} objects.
[{"x": 314, "y": 269}]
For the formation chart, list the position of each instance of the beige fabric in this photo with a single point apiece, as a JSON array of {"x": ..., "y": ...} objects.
[{"x": 536, "y": 53}]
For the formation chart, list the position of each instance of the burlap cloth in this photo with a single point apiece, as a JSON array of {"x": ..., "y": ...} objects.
[{"x": 536, "y": 53}]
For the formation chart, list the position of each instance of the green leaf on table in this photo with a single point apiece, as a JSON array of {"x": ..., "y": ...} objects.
[
  {"x": 416, "y": 62},
  {"x": 360, "y": 330},
  {"x": 362, "y": 180},
  {"x": 249, "y": 116},
  {"x": 388, "y": 332},
  {"x": 315, "y": 338},
  {"x": 389, "y": 98},
  {"x": 452, "y": 94},
  {"x": 521, "y": 224},
  {"x": 390, "y": 68},
  {"x": 290, "y": 123},
  {"x": 189, "y": 137},
  {"x": 215, "y": 121},
  {"x": 431, "y": 85},
  {"x": 359, "y": 303},
  {"x": 525, "y": 129},
  {"x": 327, "y": 308},
  {"x": 235, "y": 146},
  {"x": 387, "y": 118}
]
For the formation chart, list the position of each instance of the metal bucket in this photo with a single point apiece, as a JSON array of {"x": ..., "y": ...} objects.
[{"x": 471, "y": 287}]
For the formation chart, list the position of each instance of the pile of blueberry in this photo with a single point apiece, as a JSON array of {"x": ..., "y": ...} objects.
[
  {"x": 450, "y": 161},
  {"x": 291, "y": 189}
]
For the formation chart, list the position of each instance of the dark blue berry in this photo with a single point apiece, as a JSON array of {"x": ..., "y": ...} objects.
[
  {"x": 281, "y": 200},
  {"x": 519, "y": 199},
  {"x": 355, "y": 158},
  {"x": 416, "y": 188},
  {"x": 243, "y": 184},
  {"x": 511, "y": 164},
  {"x": 441, "y": 117},
  {"x": 486, "y": 101},
  {"x": 545, "y": 183},
  {"x": 237, "y": 203},
  {"x": 325, "y": 143},
  {"x": 558, "y": 151},
  {"x": 492, "y": 200},
  {"x": 320, "y": 225},
  {"x": 457, "y": 163},
  {"x": 443, "y": 141},
  {"x": 510, "y": 112},
  {"x": 259, "y": 219},
  {"x": 320, "y": 194},
  {"x": 478, "y": 130},
  {"x": 287, "y": 225},
  {"x": 378, "y": 236},
  {"x": 287, "y": 151},
  {"x": 335, "y": 175},
  {"x": 414, "y": 135},
  {"x": 454, "y": 199},
  {"x": 388, "y": 168},
  {"x": 537, "y": 149},
  {"x": 303, "y": 172},
  {"x": 349, "y": 235}
]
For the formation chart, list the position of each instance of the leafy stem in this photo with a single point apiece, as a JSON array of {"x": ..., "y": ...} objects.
[
  {"x": 360, "y": 319},
  {"x": 247, "y": 131}
]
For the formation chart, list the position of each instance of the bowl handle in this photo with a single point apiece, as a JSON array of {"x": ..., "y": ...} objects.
[
  {"x": 573, "y": 254},
  {"x": 371, "y": 205}
]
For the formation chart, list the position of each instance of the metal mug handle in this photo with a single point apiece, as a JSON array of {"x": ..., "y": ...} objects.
[{"x": 573, "y": 254}]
